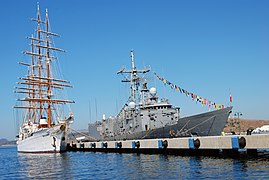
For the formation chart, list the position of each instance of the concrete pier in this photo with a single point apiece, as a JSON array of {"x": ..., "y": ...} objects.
[{"x": 208, "y": 146}]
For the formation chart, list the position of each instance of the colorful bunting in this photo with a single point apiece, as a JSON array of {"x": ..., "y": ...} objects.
[{"x": 195, "y": 97}]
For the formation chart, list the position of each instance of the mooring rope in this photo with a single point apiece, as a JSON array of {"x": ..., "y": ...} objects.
[
  {"x": 84, "y": 134},
  {"x": 197, "y": 125}
]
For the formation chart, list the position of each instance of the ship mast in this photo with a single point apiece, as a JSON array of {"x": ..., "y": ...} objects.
[
  {"x": 48, "y": 67},
  {"x": 39, "y": 66},
  {"x": 134, "y": 79},
  {"x": 40, "y": 82}
]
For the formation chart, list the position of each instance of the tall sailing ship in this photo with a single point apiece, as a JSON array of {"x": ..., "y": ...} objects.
[
  {"x": 45, "y": 116},
  {"x": 146, "y": 116}
]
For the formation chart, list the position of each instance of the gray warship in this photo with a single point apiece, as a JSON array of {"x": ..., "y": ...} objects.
[{"x": 145, "y": 116}]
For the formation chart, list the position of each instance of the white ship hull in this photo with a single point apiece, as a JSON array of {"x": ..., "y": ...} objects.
[{"x": 48, "y": 140}]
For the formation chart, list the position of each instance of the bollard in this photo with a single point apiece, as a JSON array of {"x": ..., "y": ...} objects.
[
  {"x": 196, "y": 143},
  {"x": 242, "y": 142},
  {"x": 162, "y": 144},
  {"x": 135, "y": 144},
  {"x": 92, "y": 145},
  {"x": 118, "y": 144},
  {"x": 104, "y": 144}
]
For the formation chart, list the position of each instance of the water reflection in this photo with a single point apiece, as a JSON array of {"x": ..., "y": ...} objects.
[
  {"x": 45, "y": 166},
  {"x": 89, "y": 165}
]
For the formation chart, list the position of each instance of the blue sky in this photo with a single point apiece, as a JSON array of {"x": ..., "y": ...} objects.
[{"x": 207, "y": 47}]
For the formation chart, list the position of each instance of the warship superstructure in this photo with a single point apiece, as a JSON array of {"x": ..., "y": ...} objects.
[
  {"x": 44, "y": 122},
  {"x": 146, "y": 116}
]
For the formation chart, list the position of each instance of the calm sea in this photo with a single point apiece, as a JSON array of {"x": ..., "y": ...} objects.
[{"x": 89, "y": 165}]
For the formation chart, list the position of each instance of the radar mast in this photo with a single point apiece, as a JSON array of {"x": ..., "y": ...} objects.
[{"x": 134, "y": 78}]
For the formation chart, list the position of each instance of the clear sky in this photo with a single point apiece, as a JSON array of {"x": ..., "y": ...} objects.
[{"x": 208, "y": 47}]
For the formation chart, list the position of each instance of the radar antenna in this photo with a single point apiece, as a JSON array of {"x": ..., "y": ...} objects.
[{"x": 134, "y": 78}]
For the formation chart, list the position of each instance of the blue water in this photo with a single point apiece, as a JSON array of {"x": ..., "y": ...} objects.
[{"x": 89, "y": 165}]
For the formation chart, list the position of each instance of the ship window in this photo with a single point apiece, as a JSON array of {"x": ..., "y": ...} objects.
[{"x": 146, "y": 127}]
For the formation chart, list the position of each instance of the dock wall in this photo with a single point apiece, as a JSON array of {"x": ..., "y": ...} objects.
[{"x": 210, "y": 145}]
